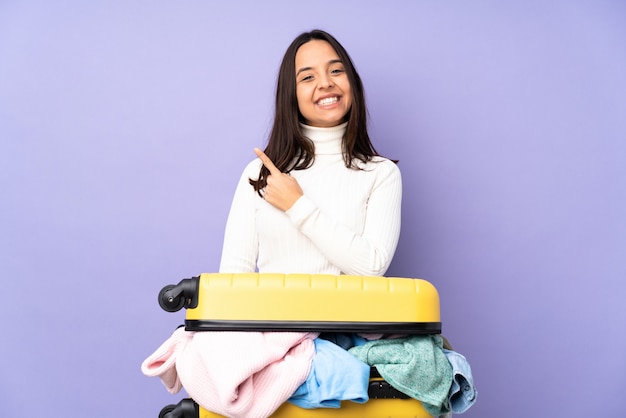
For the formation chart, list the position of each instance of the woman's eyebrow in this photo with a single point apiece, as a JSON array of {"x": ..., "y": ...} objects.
[
  {"x": 303, "y": 69},
  {"x": 331, "y": 62}
]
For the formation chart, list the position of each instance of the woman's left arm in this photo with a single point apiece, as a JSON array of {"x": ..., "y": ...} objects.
[{"x": 366, "y": 254}]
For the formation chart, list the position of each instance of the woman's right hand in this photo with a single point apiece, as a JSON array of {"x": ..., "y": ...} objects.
[{"x": 282, "y": 190}]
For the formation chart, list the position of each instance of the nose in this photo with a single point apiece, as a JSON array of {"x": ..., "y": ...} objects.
[{"x": 325, "y": 81}]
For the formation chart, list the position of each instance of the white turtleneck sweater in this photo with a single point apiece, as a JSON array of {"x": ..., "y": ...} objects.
[{"x": 347, "y": 221}]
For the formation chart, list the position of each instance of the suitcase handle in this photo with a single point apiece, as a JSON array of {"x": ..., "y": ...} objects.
[{"x": 173, "y": 298}]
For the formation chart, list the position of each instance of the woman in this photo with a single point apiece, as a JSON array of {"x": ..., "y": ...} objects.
[{"x": 319, "y": 199}]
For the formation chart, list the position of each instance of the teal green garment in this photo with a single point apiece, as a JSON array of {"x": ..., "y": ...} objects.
[{"x": 415, "y": 365}]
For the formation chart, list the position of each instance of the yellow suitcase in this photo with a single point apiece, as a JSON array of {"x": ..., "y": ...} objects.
[
  {"x": 309, "y": 303},
  {"x": 300, "y": 302},
  {"x": 379, "y": 408}
]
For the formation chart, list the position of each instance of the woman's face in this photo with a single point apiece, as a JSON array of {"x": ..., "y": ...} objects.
[{"x": 322, "y": 86}]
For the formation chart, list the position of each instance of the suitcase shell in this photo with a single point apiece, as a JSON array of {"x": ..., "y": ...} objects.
[
  {"x": 305, "y": 302},
  {"x": 302, "y": 302},
  {"x": 387, "y": 408},
  {"x": 381, "y": 408}
]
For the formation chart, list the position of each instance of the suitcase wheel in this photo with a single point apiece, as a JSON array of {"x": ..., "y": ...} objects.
[
  {"x": 186, "y": 408},
  {"x": 168, "y": 301},
  {"x": 173, "y": 298},
  {"x": 166, "y": 411}
]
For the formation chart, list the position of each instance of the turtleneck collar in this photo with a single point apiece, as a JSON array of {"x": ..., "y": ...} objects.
[{"x": 328, "y": 141}]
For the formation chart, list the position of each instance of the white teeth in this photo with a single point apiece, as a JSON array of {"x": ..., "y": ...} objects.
[{"x": 327, "y": 101}]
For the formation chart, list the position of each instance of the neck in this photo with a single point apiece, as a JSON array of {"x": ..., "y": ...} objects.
[{"x": 328, "y": 141}]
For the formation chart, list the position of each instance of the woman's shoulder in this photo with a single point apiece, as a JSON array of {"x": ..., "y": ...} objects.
[
  {"x": 252, "y": 169},
  {"x": 380, "y": 164}
]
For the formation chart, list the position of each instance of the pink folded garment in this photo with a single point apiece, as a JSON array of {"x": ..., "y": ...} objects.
[
  {"x": 235, "y": 374},
  {"x": 162, "y": 362}
]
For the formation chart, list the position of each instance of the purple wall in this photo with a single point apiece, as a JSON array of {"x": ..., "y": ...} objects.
[{"x": 124, "y": 126}]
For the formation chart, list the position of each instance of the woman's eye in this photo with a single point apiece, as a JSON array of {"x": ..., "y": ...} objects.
[
  {"x": 337, "y": 71},
  {"x": 307, "y": 78}
]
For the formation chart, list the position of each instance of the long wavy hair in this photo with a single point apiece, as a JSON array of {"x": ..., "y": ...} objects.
[{"x": 287, "y": 147}]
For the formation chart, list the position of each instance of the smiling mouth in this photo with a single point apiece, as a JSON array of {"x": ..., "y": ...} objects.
[{"x": 328, "y": 101}]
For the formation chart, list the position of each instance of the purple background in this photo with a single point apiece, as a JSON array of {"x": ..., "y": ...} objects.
[{"x": 124, "y": 126}]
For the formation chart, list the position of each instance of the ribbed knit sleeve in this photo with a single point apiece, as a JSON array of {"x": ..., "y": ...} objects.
[
  {"x": 241, "y": 246},
  {"x": 367, "y": 251}
]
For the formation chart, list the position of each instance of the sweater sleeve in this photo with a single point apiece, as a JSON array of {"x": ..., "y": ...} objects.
[
  {"x": 240, "y": 247},
  {"x": 369, "y": 253}
]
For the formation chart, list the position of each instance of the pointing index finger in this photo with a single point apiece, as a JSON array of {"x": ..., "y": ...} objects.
[{"x": 267, "y": 162}]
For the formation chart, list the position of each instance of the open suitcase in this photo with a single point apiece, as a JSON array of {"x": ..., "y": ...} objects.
[{"x": 291, "y": 302}]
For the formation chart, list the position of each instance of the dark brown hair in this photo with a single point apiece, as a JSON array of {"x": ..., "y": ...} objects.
[{"x": 287, "y": 147}]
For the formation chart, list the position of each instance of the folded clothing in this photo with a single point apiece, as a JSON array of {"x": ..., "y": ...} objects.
[
  {"x": 462, "y": 392},
  {"x": 335, "y": 376},
  {"x": 162, "y": 363},
  {"x": 414, "y": 365},
  {"x": 250, "y": 374},
  {"x": 235, "y": 374}
]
